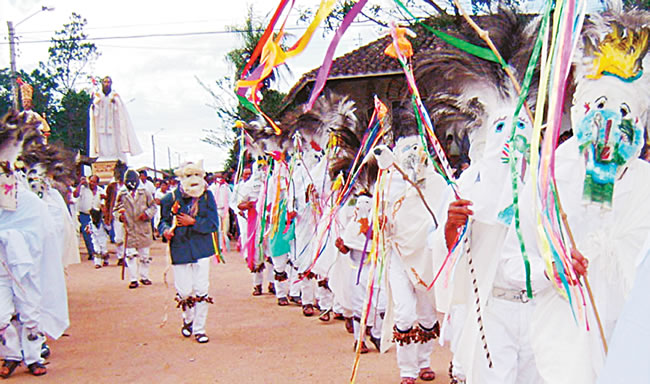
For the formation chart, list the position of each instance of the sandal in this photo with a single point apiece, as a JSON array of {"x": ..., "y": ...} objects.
[
  {"x": 257, "y": 290},
  {"x": 37, "y": 369},
  {"x": 201, "y": 338},
  {"x": 283, "y": 302},
  {"x": 187, "y": 329},
  {"x": 271, "y": 288},
  {"x": 349, "y": 325},
  {"x": 364, "y": 347},
  {"x": 308, "y": 310},
  {"x": 8, "y": 367},
  {"x": 407, "y": 380},
  {"x": 133, "y": 284},
  {"x": 427, "y": 374}
]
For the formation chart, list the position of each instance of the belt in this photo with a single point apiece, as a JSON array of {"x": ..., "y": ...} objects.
[{"x": 514, "y": 295}]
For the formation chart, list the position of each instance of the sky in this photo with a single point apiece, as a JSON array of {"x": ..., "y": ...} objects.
[{"x": 156, "y": 76}]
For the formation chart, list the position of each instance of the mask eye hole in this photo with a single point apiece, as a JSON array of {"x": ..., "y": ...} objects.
[
  {"x": 499, "y": 126},
  {"x": 625, "y": 110},
  {"x": 601, "y": 102},
  {"x": 521, "y": 125}
]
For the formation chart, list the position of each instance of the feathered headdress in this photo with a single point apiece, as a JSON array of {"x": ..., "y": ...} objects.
[
  {"x": 458, "y": 87},
  {"x": 57, "y": 162},
  {"x": 616, "y": 44}
]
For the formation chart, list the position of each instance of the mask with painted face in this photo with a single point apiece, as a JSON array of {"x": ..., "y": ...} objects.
[
  {"x": 38, "y": 180},
  {"x": 410, "y": 156},
  {"x": 607, "y": 122},
  {"x": 8, "y": 188},
  {"x": 191, "y": 175},
  {"x": 610, "y": 104},
  {"x": 131, "y": 180},
  {"x": 494, "y": 201}
]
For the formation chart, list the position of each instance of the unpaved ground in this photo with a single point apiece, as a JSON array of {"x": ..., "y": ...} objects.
[{"x": 116, "y": 336}]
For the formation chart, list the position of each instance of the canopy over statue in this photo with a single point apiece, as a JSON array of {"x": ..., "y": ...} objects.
[{"x": 111, "y": 131}]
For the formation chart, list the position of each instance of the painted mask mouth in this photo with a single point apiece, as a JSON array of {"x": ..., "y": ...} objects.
[{"x": 606, "y": 154}]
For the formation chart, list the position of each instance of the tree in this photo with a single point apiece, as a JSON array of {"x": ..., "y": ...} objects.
[
  {"x": 69, "y": 57},
  {"x": 70, "y": 54},
  {"x": 227, "y": 108}
]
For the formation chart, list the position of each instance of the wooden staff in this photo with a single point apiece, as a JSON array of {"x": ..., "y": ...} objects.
[
  {"x": 419, "y": 191},
  {"x": 586, "y": 280},
  {"x": 485, "y": 36}
]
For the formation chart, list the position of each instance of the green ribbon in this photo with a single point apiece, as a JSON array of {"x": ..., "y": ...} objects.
[
  {"x": 481, "y": 52},
  {"x": 247, "y": 104},
  {"x": 528, "y": 77}
]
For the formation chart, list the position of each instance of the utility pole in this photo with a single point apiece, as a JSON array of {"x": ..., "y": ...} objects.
[
  {"x": 12, "y": 52},
  {"x": 153, "y": 146},
  {"x": 12, "y": 61}
]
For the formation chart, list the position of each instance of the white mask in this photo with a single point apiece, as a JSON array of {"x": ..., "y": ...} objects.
[{"x": 191, "y": 177}]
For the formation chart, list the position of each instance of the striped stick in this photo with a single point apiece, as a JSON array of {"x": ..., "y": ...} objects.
[{"x": 479, "y": 316}]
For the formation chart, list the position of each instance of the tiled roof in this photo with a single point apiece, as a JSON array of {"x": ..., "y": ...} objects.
[{"x": 368, "y": 60}]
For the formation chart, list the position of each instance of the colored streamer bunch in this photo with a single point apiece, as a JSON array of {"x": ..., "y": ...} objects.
[
  {"x": 567, "y": 24},
  {"x": 271, "y": 55}
]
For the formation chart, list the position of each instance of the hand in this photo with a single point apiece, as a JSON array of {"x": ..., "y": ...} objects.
[
  {"x": 83, "y": 181},
  {"x": 341, "y": 246},
  {"x": 167, "y": 234},
  {"x": 457, "y": 216},
  {"x": 185, "y": 220},
  {"x": 143, "y": 217},
  {"x": 580, "y": 263}
]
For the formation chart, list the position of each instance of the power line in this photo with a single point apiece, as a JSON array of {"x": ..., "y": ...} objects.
[{"x": 149, "y": 35}]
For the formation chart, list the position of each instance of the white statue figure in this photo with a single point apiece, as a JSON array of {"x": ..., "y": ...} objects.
[{"x": 111, "y": 131}]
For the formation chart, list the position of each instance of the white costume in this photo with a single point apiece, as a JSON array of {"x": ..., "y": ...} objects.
[
  {"x": 111, "y": 131},
  {"x": 221, "y": 193},
  {"x": 411, "y": 306},
  {"x": 34, "y": 285}
]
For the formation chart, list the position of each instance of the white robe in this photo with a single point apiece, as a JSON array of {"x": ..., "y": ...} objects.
[
  {"x": 32, "y": 250},
  {"x": 611, "y": 238},
  {"x": 111, "y": 132}
]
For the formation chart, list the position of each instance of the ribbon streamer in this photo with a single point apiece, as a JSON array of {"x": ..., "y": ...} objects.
[{"x": 324, "y": 70}]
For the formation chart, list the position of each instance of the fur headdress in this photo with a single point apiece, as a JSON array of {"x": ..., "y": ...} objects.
[
  {"x": 616, "y": 44},
  {"x": 459, "y": 86}
]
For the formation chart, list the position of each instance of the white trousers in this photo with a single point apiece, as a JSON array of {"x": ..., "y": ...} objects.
[
  {"x": 294, "y": 286},
  {"x": 193, "y": 280},
  {"x": 258, "y": 277},
  {"x": 242, "y": 223},
  {"x": 412, "y": 308},
  {"x": 325, "y": 298},
  {"x": 118, "y": 229},
  {"x": 280, "y": 266},
  {"x": 358, "y": 294},
  {"x": 308, "y": 291},
  {"x": 507, "y": 330},
  {"x": 22, "y": 342},
  {"x": 137, "y": 262}
]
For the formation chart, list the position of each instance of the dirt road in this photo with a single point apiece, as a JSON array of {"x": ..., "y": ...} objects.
[{"x": 116, "y": 336}]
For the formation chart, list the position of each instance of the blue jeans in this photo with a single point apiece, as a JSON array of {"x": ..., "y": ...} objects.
[{"x": 84, "y": 220}]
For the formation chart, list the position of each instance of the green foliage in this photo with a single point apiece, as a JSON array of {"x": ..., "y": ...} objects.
[
  {"x": 225, "y": 136},
  {"x": 57, "y": 95},
  {"x": 70, "y": 54},
  {"x": 71, "y": 121}
]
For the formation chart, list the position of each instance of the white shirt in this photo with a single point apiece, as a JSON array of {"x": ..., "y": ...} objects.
[{"x": 88, "y": 200}]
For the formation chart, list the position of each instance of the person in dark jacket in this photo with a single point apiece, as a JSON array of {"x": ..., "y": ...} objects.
[{"x": 190, "y": 223}]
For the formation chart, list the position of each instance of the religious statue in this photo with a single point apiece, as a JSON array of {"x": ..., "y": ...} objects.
[{"x": 111, "y": 131}]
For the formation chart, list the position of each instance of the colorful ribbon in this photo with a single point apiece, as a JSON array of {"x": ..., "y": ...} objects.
[{"x": 323, "y": 72}]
